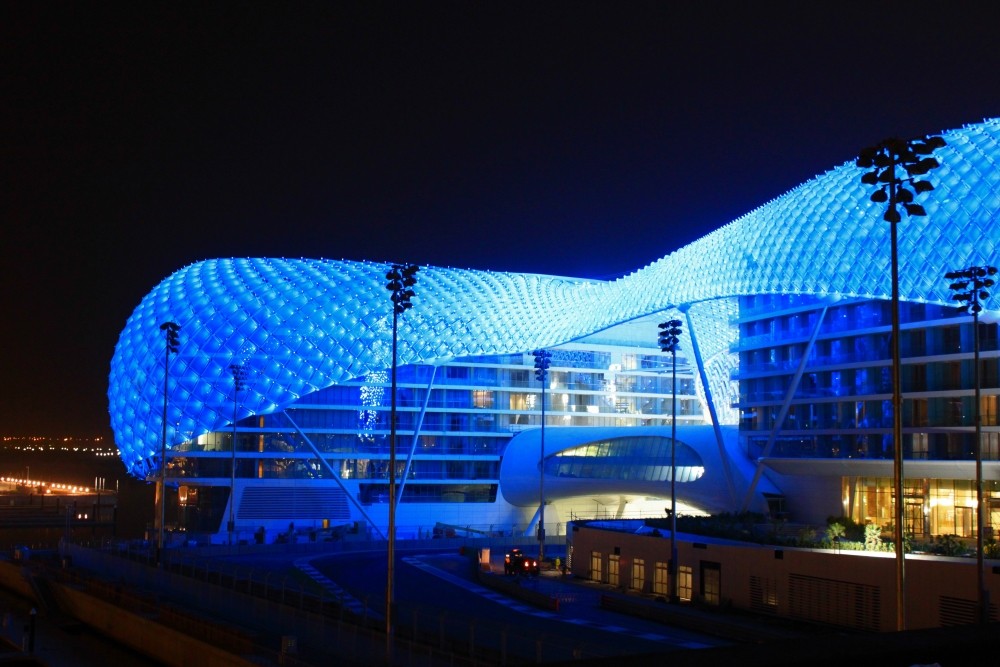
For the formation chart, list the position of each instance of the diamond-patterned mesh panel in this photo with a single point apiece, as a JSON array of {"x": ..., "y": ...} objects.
[{"x": 299, "y": 325}]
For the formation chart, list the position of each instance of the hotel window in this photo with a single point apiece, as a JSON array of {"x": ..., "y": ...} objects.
[
  {"x": 920, "y": 417},
  {"x": 596, "y": 569},
  {"x": 953, "y": 373},
  {"x": 522, "y": 401},
  {"x": 482, "y": 398},
  {"x": 614, "y": 561},
  {"x": 639, "y": 574},
  {"x": 952, "y": 339},
  {"x": 988, "y": 410},
  {"x": 991, "y": 446},
  {"x": 661, "y": 578},
  {"x": 917, "y": 343},
  {"x": 711, "y": 582},
  {"x": 955, "y": 412},
  {"x": 989, "y": 369},
  {"x": 918, "y": 377},
  {"x": 684, "y": 580}
]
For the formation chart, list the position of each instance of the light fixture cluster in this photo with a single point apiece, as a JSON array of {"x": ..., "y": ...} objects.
[
  {"x": 543, "y": 359},
  {"x": 401, "y": 279},
  {"x": 913, "y": 157},
  {"x": 670, "y": 336},
  {"x": 971, "y": 287}
]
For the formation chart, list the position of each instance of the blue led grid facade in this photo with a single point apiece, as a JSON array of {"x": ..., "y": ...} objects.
[{"x": 300, "y": 326}]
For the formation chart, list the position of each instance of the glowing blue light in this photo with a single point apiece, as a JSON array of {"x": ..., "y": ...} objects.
[{"x": 314, "y": 323}]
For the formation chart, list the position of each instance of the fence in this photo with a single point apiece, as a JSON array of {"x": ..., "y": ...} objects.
[{"x": 278, "y": 604}]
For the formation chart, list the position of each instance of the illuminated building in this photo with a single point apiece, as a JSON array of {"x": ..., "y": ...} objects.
[{"x": 785, "y": 314}]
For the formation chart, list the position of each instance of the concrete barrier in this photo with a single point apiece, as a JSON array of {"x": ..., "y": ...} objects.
[{"x": 142, "y": 634}]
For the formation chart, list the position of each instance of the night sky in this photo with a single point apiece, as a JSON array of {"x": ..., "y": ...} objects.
[{"x": 584, "y": 139}]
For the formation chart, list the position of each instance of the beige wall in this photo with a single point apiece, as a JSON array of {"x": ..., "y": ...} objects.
[{"x": 849, "y": 588}]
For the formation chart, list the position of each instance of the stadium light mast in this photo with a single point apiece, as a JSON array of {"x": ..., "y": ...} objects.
[
  {"x": 239, "y": 383},
  {"x": 971, "y": 288},
  {"x": 669, "y": 338},
  {"x": 884, "y": 160},
  {"x": 401, "y": 279},
  {"x": 543, "y": 358},
  {"x": 171, "y": 345}
]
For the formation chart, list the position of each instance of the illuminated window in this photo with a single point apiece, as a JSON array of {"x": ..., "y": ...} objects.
[
  {"x": 614, "y": 564},
  {"x": 638, "y": 574},
  {"x": 661, "y": 578},
  {"x": 482, "y": 398},
  {"x": 684, "y": 579},
  {"x": 596, "y": 569}
]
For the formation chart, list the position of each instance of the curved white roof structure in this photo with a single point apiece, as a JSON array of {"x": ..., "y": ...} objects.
[
  {"x": 306, "y": 324},
  {"x": 609, "y": 461}
]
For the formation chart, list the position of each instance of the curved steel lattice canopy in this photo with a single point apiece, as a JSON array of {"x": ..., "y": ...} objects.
[{"x": 300, "y": 325}]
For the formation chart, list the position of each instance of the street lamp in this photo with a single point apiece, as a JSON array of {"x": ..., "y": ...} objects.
[
  {"x": 970, "y": 287},
  {"x": 882, "y": 160},
  {"x": 239, "y": 382},
  {"x": 401, "y": 279},
  {"x": 543, "y": 358},
  {"x": 171, "y": 345},
  {"x": 670, "y": 332}
]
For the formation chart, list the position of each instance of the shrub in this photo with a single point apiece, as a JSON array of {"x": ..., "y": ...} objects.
[
  {"x": 873, "y": 537},
  {"x": 852, "y": 529},
  {"x": 991, "y": 549},
  {"x": 834, "y": 532},
  {"x": 948, "y": 545}
]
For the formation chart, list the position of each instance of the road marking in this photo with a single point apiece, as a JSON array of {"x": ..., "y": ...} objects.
[
  {"x": 346, "y": 600},
  {"x": 418, "y": 562}
]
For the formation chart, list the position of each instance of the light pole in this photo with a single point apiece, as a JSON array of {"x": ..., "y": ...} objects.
[
  {"x": 970, "y": 287},
  {"x": 543, "y": 358},
  {"x": 882, "y": 160},
  {"x": 670, "y": 332},
  {"x": 239, "y": 382},
  {"x": 172, "y": 344},
  {"x": 401, "y": 279}
]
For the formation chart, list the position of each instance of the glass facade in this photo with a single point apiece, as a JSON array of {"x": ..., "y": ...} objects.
[
  {"x": 454, "y": 422},
  {"x": 815, "y": 383},
  {"x": 786, "y": 332}
]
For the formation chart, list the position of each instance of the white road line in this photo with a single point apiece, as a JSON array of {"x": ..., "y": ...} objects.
[
  {"x": 417, "y": 561},
  {"x": 346, "y": 599}
]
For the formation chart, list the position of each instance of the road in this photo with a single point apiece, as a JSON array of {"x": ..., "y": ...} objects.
[{"x": 436, "y": 598}]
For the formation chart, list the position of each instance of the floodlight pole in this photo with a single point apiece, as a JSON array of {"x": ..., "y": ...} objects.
[
  {"x": 897, "y": 430},
  {"x": 541, "y": 487},
  {"x": 390, "y": 594},
  {"x": 401, "y": 279},
  {"x": 239, "y": 374},
  {"x": 171, "y": 344},
  {"x": 669, "y": 338},
  {"x": 984, "y": 596},
  {"x": 673, "y": 475},
  {"x": 542, "y": 361},
  {"x": 970, "y": 287},
  {"x": 883, "y": 160}
]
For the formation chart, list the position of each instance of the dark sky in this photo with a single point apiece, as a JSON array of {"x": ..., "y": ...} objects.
[{"x": 584, "y": 139}]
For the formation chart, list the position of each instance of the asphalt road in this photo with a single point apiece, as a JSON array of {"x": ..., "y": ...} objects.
[{"x": 436, "y": 597}]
